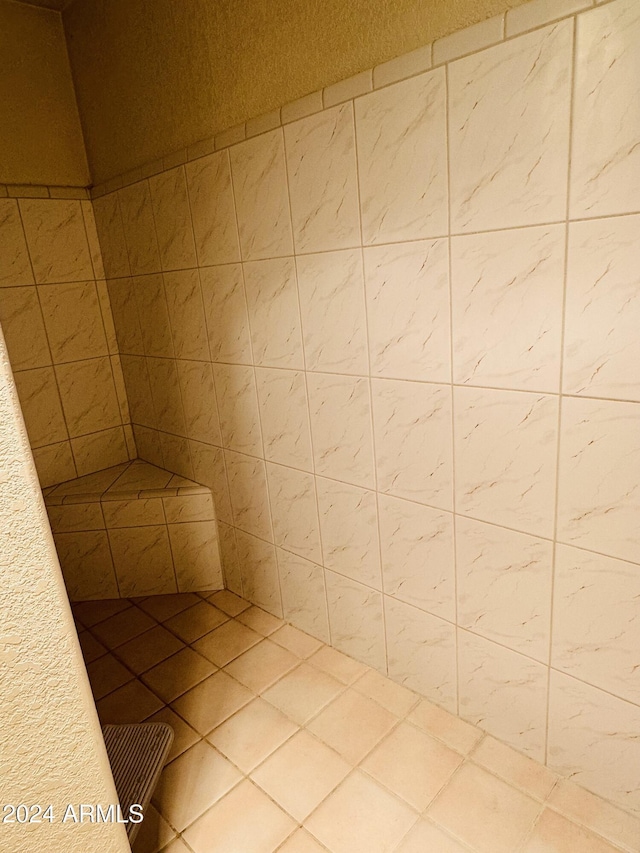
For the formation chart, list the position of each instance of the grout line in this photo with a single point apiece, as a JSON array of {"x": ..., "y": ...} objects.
[
  {"x": 572, "y": 96},
  {"x": 312, "y": 460},
  {"x": 255, "y": 385},
  {"x": 447, "y": 121}
]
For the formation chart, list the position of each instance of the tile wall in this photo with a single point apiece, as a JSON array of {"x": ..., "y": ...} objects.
[
  {"x": 396, "y": 337},
  {"x": 56, "y": 319}
]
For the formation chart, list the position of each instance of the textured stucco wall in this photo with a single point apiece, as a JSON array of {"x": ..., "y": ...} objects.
[
  {"x": 51, "y": 748},
  {"x": 40, "y": 134},
  {"x": 154, "y": 77}
]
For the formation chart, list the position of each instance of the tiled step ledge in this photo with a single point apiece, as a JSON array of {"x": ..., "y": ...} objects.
[
  {"x": 128, "y": 481},
  {"x": 503, "y": 27},
  {"x": 134, "y": 529}
]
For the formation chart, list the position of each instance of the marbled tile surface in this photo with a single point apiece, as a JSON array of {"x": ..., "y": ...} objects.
[
  {"x": 212, "y": 209},
  {"x": 509, "y": 131},
  {"x": 505, "y": 457},
  {"x": 402, "y": 160},
  {"x": 15, "y": 267},
  {"x": 602, "y": 354},
  {"x": 507, "y": 290},
  {"x": 605, "y": 152},
  {"x": 260, "y": 184},
  {"x": 332, "y": 307},
  {"x": 408, "y": 310},
  {"x": 396, "y": 338},
  {"x": 599, "y": 477},
  {"x": 323, "y": 185}
]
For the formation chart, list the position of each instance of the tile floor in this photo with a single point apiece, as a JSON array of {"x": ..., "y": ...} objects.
[{"x": 284, "y": 744}]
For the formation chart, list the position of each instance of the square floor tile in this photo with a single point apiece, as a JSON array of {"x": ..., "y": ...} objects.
[
  {"x": 177, "y": 674},
  {"x": 176, "y": 846},
  {"x": 394, "y": 697},
  {"x": 301, "y": 842},
  {"x": 261, "y": 621},
  {"x": 192, "y": 783},
  {"x": 91, "y": 612},
  {"x": 262, "y": 665},
  {"x": 227, "y": 642},
  {"x": 352, "y": 724},
  {"x": 446, "y": 727},
  {"x": 245, "y": 821},
  {"x": 361, "y": 817},
  {"x": 124, "y": 626},
  {"x": 425, "y": 837},
  {"x": 483, "y": 811},
  {"x": 163, "y": 607},
  {"x": 516, "y": 769},
  {"x": 154, "y": 834},
  {"x": 196, "y": 621},
  {"x": 91, "y": 648},
  {"x": 412, "y": 765},
  {"x": 212, "y": 702},
  {"x": 300, "y": 774},
  {"x": 131, "y": 703},
  {"x": 148, "y": 649},
  {"x": 340, "y": 666},
  {"x": 296, "y": 641},
  {"x": 183, "y": 735},
  {"x": 229, "y": 602},
  {"x": 555, "y": 834},
  {"x": 303, "y": 692},
  {"x": 107, "y": 674},
  {"x": 596, "y": 814},
  {"x": 252, "y": 734}
]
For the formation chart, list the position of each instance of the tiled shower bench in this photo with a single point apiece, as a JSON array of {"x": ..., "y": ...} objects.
[{"x": 132, "y": 530}]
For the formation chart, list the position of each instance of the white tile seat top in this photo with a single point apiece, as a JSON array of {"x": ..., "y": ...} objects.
[{"x": 130, "y": 480}]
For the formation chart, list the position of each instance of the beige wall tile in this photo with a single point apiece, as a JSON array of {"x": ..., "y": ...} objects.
[
  {"x": 57, "y": 240},
  {"x": 23, "y": 328},
  {"x": 54, "y": 463},
  {"x": 172, "y": 216},
  {"x": 122, "y": 300},
  {"x": 196, "y": 555},
  {"x": 15, "y": 266},
  {"x": 154, "y": 316},
  {"x": 186, "y": 314},
  {"x": 111, "y": 235},
  {"x": 142, "y": 559},
  {"x": 323, "y": 187},
  {"x": 139, "y": 228},
  {"x": 259, "y": 571},
  {"x": 226, "y": 314},
  {"x": 76, "y": 517},
  {"x": 355, "y": 620},
  {"x": 99, "y": 450},
  {"x": 73, "y": 321},
  {"x": 88, "y": 395},
  {"x": 133, "y": 513},
  {"x": 213, "y": 210},
  {"x": 262, "y": 205},
  {"x": 86, "y": 564},
  {"x": 41, "y": 407}
]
